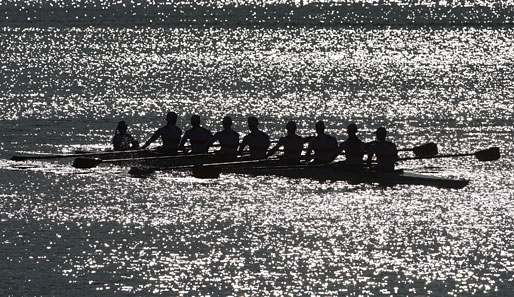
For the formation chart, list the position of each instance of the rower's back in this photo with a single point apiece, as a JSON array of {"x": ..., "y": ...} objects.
[
  {"x": 323, "y": 146},
  {"x": 386, "y": 151},
  {"x": 258, "y": 142},
  {"x": 354, "y": 151},
  {"x": 293, "y": 146},
  {"x": 229, "y": 141},
  {"x": 198, "y": 137},
  {"x": 170, "y": 136}
]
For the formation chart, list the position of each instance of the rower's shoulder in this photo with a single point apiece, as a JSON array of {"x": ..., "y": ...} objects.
[
  {"x": 257, "y": 133},
  {"x": 391, "y": 144},
  {"x": 226, "y": 133},
  {"x": 264, "y": 134},
  {"x": 354, "y": 140},
  {"x": 284, "y": 139},
  {"x": 205, "y": 130}
]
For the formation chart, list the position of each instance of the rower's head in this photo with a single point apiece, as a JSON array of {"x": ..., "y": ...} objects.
[
  {"x": 195, "y": 121},
  {"x": 351, "y": 129},
  {"x": 381, "y": 133},
  {"x": 171, "y": 118},
  {"x": 253, "y": 123},
  {"x": 291, "y": 127},
  {"x": 122, "y": 127},
  {"x": 320, "y": 127},
  {"x": 227, "y": 122}
]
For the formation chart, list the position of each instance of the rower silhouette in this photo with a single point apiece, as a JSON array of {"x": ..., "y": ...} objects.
[
  {"x": 169, "y": 134},
  {"x": 198, "y": 137},
  {"x": 385, "y": 151},
  {"x": 353, "y": 149},
  {"x": 323, "y": 146},
  {"x": 292, "y": 143},
  {"x": 257, "y": 140},
  {"x": 228, "y": 140},
  {"x": 121, "y": 140}
]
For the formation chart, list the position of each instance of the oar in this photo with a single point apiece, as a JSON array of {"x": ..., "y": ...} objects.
[
  {"x": 490, "y": 154},
  {"x": 205, "y": 170},
  {"x": 213, "y": 170},
  {"x": 427, "y": 149},
  {"x": 58, "y": 156},
  {"x": 93, "y": 162}
]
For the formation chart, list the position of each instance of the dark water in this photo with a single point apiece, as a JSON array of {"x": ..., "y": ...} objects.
[{"x": 66, "y": 231}]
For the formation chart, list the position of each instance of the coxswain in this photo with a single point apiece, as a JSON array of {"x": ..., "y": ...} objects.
[
  {"x": 353, "y": 149},
  {"x": 228, "y": 140},
  {"x": 198, "y": 137},
  {"x": 123, "y": 141},
  {"x": 292, "y": 144},
  {"x": 386, "y": 152},
  {"x": 170, "y": 135},
  {"x": 257, "y": 140},
  {"x": 323, "y": 145}
]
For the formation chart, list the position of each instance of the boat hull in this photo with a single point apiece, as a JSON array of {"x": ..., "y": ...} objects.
[{"x": 340, "y": 173}]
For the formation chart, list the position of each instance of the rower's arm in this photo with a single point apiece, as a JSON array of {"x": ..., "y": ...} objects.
[
  {"x": 308, "y": 153},
  {"x": 134, "y": 143},
  {"x": 370, "y": 157},
  {"x": 210, "y": 143},
  {"x": 183, "y": 141},
  {"x": 242, "y": 146},
  {"x": 152, "y": 139},
  {"x": 275, "y": 148},
  {"x": 337, "y": 152}
]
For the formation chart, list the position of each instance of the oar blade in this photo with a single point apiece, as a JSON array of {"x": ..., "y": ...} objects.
[
  {"x": 19, "y": 158},
  {"x": 490, "y": 154},
  {"x": 425, "y": 150},
  {"x": 141, "y": 171},
  {"x": 86, "y": 162},
  {"x": 206, "y": 171}
]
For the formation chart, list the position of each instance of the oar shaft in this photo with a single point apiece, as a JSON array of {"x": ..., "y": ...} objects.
[
  {"x": 157, "y": 158},
  {"x": 437, "y": 156},
  {"x": 58, "y": 156}
]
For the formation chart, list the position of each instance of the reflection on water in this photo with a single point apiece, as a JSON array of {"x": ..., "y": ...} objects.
[
  {"x": 70, "y": 232},
  {"x": 242, "y": 235}
]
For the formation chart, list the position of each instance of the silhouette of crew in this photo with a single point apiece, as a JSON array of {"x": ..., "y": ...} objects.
[
  {"x": 121, "y": 140},
  {"x": 292, "y": 143},
  {"x": 228, "y": 140},
  {"x": 169, "y": 134},
  {"x": 386, "y": 152},
  {"x": 257, "y": 140},
  {"x": 198, "y": 137},
  {"x": 323, "y": 145},
  {"x": 353, "y": 148}
]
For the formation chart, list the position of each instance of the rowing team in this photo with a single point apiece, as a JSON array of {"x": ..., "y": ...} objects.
[{"x": 324, "y": 146}]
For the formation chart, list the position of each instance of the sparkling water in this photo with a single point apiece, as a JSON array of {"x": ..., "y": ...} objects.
[{"x": 72, "y": 70}]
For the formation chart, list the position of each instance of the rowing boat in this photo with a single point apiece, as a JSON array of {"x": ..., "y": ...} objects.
[{"x": 337, "y": 172}]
